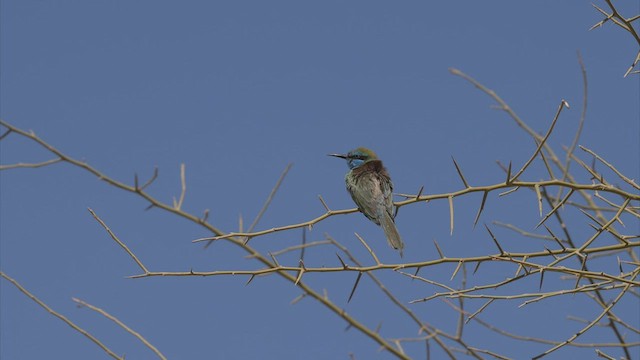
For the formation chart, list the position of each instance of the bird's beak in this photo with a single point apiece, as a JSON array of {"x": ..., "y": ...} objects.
[{"x": 338, "y": 156}]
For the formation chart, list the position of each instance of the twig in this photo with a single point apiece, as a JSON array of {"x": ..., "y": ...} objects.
[
  {"x": 195, "y": 219},
  {"x": 562, "y": 105},
  {"x": 272, "y": 194},
  {"x": 626, "y": 179},
  {"x": 590, "y": 325},
  {"x": 30, "y": 165},
  {"x": 122, "y": 245},
  {"x": 61, "y": 317},
  {"x": 183, "y": 186},
  {"x": 122, "y": 325},
  {"x": 583, "y": 116},
  {"x": 364, "y": 243}
]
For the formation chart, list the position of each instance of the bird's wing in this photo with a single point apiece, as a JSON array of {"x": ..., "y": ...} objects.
[
  {"x": 387, "y": 190},
  {"x": 386, "y": 186},
  {"x": 362, "y": 193},
  {"x": 371, "y": 189}
]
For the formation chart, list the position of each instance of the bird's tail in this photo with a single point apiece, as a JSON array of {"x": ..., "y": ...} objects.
[{"x": 391, "y": 232}]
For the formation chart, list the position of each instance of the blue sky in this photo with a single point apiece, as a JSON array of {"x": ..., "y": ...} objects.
[{"x": 238, "y": 90}]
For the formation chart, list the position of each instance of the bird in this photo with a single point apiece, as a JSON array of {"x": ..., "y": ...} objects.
[{"x": 370, "y": 187}]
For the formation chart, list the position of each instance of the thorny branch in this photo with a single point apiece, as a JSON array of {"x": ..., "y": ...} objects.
[
  {"x": 599, "y": 281},
  {"x": 177, "y": 210},
  {"x": 118, "y": 322},
  {"x": 61, "y": 317},
  {"x": 594, "y": 284},
  {"x": 624, "y": 23}
]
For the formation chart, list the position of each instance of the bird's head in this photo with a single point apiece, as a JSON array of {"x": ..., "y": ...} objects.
[{"x": 357, "y": 157}]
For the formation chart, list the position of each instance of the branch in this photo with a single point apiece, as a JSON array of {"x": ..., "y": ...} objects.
[
  {"x": 122, "y": 325},
  {"x": 61, "y": 317},
  {"x": 250, "y": 250},
  {"x": 30, "y": 165}
]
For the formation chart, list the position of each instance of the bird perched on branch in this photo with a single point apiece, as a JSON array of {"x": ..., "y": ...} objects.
[{"x": 370, "y": 187}]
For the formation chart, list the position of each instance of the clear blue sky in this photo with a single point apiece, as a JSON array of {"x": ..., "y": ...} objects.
[{"x": 236, "y": 91}]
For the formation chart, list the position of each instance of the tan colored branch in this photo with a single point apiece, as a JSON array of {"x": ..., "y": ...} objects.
[
  {"x": 61, "y": 317},
  {"x": 122, "y": 325}
]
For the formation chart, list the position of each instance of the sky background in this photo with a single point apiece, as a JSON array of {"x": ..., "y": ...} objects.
[{"x": 238, "y": 90}]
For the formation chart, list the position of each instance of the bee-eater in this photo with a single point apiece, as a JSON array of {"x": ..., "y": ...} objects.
[{"x": 371, "y": 189}]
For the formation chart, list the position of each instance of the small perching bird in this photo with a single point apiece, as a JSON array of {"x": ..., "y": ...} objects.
[{"x": 371, "y": 189}]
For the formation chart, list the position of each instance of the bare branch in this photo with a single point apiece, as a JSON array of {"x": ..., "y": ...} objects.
[
  {"x": 122, "y": 245},
  {"x": 122, "y": 325},
  {"x": 61, "y": 317}
]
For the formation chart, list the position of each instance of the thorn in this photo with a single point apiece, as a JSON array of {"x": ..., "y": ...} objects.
[
  {"x": 275, "y": 261},
  {"x": 479, "y": 311},
  {"x": 578, "y": 278},
  {"x": 304, "y": 242},
  {"x": 355, "y": 285},
  {"x": 551, "y": 253},
  {"x": 560, "y": 204},
  {"x": 151, "y": 180},
  {"x": 451, "y": 214},
  {"x": 509, "y": 191},
  {"x": 456, "y": 270},
  {"x": 495, "y": 240},
  {"x": 377, "y": 330},
  {"x": 297, "y": 298},
  {"x": 501, "y": 166},
  {"x": 590, "y": 217},
  {"x": 484, "y": 199},
  {"x": 619, "y": 264},
  {"x": 438, "y": 248},
  {"x": 477, "y": 267},
  {"x": 250, "y": 279},
  {"x": 205, "y": 216},
  {"x": 555, "y": 238},
  {"x": 584, "y": 261},
  {"x": 464, "y": 181},
  {"x": 594, "y": 227},
  {"x": 344, "y": 265},
  {"x": 326, "y": 207},
  {"x": 539, "y": 196},
  {"x": 299, "y": 276},
  {"x": 5, "y": 134},
  {"x": 520, "y": 267}
]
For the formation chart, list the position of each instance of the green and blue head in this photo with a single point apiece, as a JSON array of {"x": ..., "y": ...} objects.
[{"x": 357, "y": 157}]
